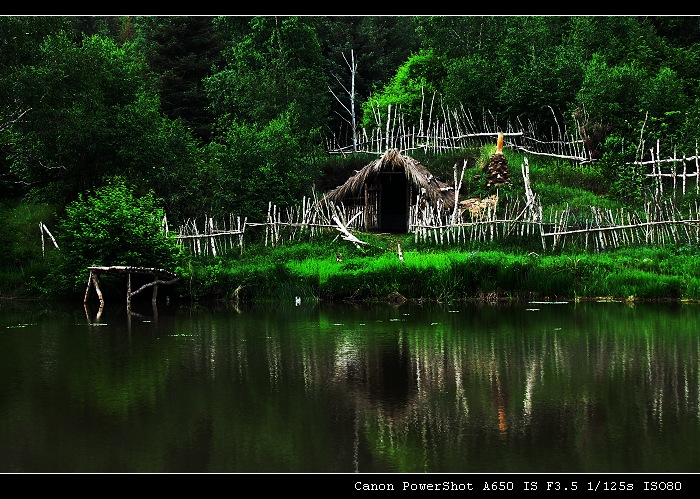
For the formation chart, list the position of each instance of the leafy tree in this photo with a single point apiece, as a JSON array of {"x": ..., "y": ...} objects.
[
  {"x": 271, "y": 100},
  {"x": 119, "y": 28},
  {"x": 112, "y": 226},
  {"x": 455, "y": 37},
  {"x": 410, "y": 90},
  {"x": 466, "y": 48},
  {"x": 274, "y": 68},
  {"x": 628, "y": 100},
  {"x": 663, "y": 98},
  {"x": 625, "y": 179},
  {"x": 513, "y": 67},
  {"x": 160, "y": 154},
  {"x": 181, "y": 52},
  {"x": 620, "y": 40},
  {"x": 466, "y": 83},
  {"x": 75, "y": 92},
  {"x": 20, "y": 39},
  {"x": 256, "y": 164},
  {"x": 536, "y": 73},
  {"x": 92, "y": 114},
  {"x": 682, "y": 31},
  {"x": 610, "y": 97}
]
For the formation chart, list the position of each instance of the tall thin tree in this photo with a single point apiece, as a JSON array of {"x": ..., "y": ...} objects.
[{"x": 352, "y": 120}]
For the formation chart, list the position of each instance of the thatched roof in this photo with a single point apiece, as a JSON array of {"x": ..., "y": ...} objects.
[{"x": 393, "y": 161}]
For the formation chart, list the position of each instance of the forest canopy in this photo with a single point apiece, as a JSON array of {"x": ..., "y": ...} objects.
[{"x": 222, "y": 115}]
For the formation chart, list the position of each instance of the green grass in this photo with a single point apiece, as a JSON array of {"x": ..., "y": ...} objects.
[
  {"x": 512, "y": 269},
  {"x": 310, "y": 270},
  {"x": 23, "y": 265}
]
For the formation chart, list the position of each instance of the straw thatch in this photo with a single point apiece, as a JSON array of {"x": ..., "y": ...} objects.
[{"x": 420, "y": 179}]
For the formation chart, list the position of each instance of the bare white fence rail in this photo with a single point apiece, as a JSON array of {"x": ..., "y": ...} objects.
[
  {"x": 456, "y": 129},
  {"x": 658, "y": 223},
  {"x": 515, "y": 218}
]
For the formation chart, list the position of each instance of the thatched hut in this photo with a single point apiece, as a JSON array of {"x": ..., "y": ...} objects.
[{"x": 388, "y": 187}]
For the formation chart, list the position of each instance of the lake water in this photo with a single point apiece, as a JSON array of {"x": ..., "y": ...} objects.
[{"x": 341, "y": 388}]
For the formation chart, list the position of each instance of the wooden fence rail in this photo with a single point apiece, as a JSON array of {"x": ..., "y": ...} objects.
[
  {"x": 659, "y": 222},
  {"x": 283, "y": 224},
  {"x": 524, "y": 217},
  {"x": 600, "y": 229},
  {"x": 212, "y": 237},
  {"x": 455, "y": 129}
]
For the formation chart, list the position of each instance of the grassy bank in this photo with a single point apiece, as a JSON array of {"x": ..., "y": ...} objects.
[
  {"x": 508, "y": 270},
  {"x": 514, "y": 268},
  {"x": 375, "y": 272}
]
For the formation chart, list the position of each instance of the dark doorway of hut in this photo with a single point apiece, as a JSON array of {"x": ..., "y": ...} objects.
[
  {"x": 386, "y": 187},
  {"x": 393, "y": 208}
]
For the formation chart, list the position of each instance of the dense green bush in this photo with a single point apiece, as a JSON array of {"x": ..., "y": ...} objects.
[
  {"x": 625, "y": 179},
  {"x": 112, "y": 226}
]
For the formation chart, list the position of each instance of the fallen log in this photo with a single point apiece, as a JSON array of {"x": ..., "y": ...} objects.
[{"x": 346, "y": 233}]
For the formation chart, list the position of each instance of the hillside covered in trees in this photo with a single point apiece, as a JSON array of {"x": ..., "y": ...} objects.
[{"x": 221, "y": 115}]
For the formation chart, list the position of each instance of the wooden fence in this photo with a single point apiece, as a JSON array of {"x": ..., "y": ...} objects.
[
  {"x": 600, "y": 229},
  {"x": 456, "y": 129},
  {"x": 659, "y": 222},
  {"x": 680, "y": 170},
  {"x": 212, "y": 237},
  {"x": 208, "y": 237},
  {"x": 525, "y": 217}
]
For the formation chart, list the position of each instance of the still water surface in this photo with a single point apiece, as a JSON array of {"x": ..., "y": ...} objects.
[{"x": 533, "y": 387}]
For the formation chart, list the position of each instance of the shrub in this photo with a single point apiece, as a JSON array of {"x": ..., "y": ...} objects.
[
  {"x": 113, "y": 227},
  {"x": 626, "y": 179},
  {"x": 23, "y": 264}
]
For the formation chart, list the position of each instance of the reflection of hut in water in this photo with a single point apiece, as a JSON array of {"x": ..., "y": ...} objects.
[
  {"x": 388, "y": 187},
  {"x": 382, "y": 377}
]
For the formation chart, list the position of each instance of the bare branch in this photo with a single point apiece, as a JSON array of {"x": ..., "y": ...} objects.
[{"x": 13, "y": 118}]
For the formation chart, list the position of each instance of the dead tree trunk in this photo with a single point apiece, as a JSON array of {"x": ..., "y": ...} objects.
[{"x": 352, "y": 121}]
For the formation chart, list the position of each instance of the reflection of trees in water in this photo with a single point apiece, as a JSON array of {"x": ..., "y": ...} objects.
[
  {"x": 494, "y": 390},
  {"x": 419, "y": 397},
  {"x": 579, "y": 390}
]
